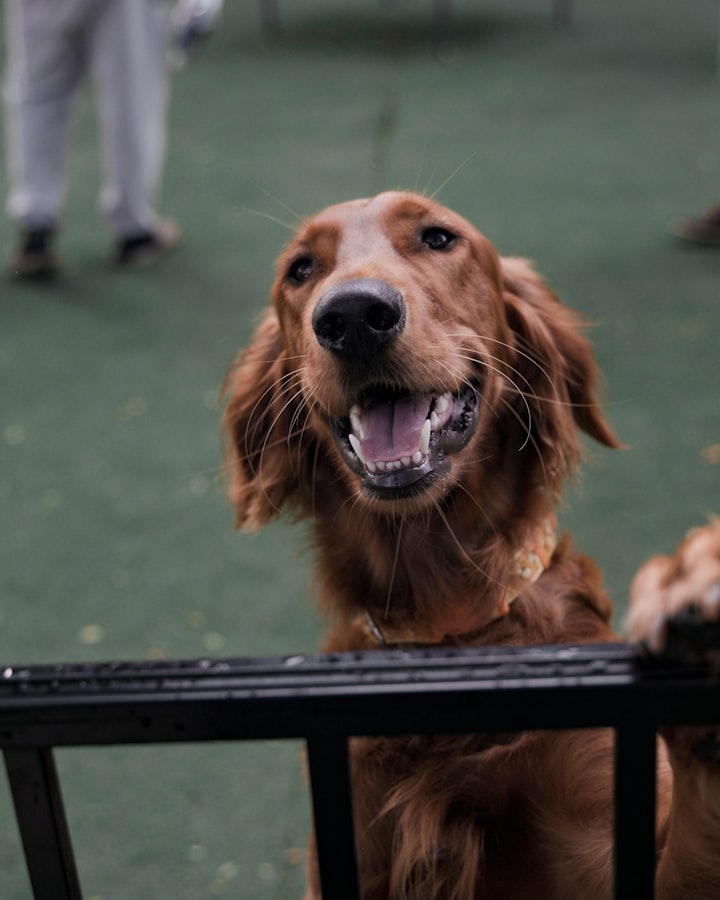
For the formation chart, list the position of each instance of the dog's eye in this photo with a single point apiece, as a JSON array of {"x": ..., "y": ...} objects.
[
  {"x": 437, "y": 238},
  {"x": 300, "y": 270}
]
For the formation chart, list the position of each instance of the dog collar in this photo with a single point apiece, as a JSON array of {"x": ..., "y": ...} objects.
[{"x": 527, "y": 565}]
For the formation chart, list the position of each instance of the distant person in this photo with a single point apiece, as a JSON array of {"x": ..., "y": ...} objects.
[
  {"x": 704, "y": 229},
  {"x": 52, "y": 45}
]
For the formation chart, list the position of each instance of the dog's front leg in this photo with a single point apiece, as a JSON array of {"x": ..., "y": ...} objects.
[{"x": 675, "y": 607}]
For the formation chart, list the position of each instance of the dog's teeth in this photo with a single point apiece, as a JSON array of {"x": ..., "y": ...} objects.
[
  {"x": 388, "y": 465},
  {"x": 425, "y": 437},
  {"x": 357, "y": 423},
  {"x": 357, "y": 447},
  {"x": 441, "y": 411}
]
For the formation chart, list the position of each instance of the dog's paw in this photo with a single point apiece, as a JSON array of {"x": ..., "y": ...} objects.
[{"x": 675, "y": 600}]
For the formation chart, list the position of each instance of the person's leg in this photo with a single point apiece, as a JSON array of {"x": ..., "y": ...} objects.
[
  {"x": 43, "y": 67},
  {"x": 128, "y": 61}
]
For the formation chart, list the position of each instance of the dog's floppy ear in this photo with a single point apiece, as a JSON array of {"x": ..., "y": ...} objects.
[
  {"x": 555, "y": 366},
  {"x": 258, "y": 421}
]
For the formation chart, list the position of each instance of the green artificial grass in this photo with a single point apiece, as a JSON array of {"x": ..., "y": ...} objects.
[{"x": 573, "y": 147}]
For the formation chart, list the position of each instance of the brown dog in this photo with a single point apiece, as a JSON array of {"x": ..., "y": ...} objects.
[{"x": 420, "y": 399}]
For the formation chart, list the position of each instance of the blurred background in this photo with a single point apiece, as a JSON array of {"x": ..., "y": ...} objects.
[{"x": 574, "y": 146}]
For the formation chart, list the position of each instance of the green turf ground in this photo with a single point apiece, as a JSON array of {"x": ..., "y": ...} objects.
[{"x": 573, "y": 147}]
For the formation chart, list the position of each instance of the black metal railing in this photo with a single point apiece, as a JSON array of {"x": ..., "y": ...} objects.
[{"x": 327, "y": 699}]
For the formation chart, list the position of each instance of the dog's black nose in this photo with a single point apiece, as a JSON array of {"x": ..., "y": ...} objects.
[{"x": 358, "y": 318}]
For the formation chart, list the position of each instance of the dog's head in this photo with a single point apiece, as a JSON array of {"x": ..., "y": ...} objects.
[{"x": 401, "y": 359}]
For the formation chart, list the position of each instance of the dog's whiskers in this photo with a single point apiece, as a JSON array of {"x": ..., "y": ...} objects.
[
  {"x": 286, "y": 438},
  {"x": 518, "y": 391},
  {"x": 296, "y": 216},
  {"x": 476, "y": 503},
  {"x": 459, "y": 544},
  {"x": 453, "y": 174},
  {"x": 391, "y": 581},
  {"x": 515, "y": 349},
  {"x": 526, "y": 422},
  {"x": 256, "y": 415}
]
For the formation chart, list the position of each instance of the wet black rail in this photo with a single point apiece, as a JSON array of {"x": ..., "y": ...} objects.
[{"x": 326, "y": 699}]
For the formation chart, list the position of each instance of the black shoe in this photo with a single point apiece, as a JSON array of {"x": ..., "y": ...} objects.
[
  {"x": 145, "y": 247},
  {"x": 702, "y": 230},
  {"x": 35, "y": 257}
]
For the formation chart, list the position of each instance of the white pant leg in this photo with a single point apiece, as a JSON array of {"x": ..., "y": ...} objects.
[
  {"x": 44, "y": 63},
  {"x": 129, "y": 64}
]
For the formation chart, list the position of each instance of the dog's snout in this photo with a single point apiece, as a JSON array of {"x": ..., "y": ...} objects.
[{"x": 358, "y": 318}]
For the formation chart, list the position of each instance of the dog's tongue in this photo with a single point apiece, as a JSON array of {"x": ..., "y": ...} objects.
[{"x": 391, "y": 427}]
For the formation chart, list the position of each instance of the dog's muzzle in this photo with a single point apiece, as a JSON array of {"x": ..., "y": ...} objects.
[{"x": 401, "y": 443}]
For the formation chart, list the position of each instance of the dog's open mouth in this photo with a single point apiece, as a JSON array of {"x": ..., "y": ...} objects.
[{"x": 399, "y": 443}]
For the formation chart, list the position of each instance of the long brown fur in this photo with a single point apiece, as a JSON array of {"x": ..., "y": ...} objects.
[{"x": 525, "y": 816}]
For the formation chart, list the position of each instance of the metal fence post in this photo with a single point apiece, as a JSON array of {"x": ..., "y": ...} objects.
[
  {"x": 635, "y": 801},
  {"x": 329, "y": 764},
  {"x": 42, "y": 824}
]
